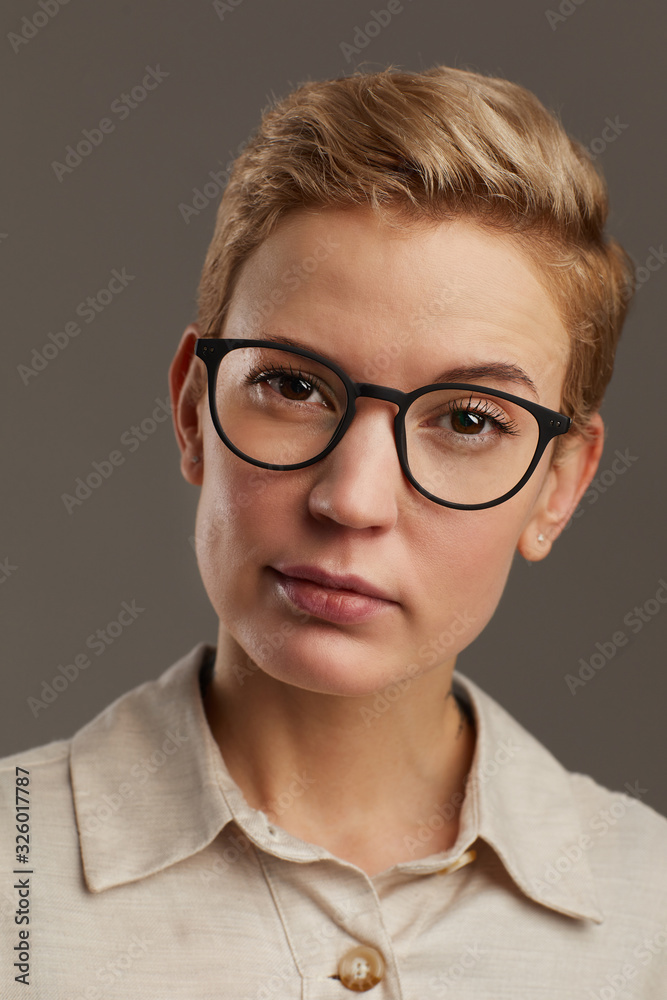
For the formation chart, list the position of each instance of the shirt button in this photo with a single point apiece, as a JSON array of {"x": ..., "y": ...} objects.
[
  {"x": 465, "y": 859},
  {"x": 361, "y": 968}
]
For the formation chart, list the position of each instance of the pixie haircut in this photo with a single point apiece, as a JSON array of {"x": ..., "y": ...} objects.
[{"x": 422, "y": 148}]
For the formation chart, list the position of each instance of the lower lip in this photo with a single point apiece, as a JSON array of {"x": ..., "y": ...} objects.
[{"x": 344, "y": 606}]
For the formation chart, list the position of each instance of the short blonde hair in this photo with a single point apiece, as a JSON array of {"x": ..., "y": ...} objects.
[{"x": 431, "y": 146}]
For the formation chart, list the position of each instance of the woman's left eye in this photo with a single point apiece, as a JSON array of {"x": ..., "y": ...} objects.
[
  {"x": 466, "y": 420},
  {"x": 472, "y": 421}
]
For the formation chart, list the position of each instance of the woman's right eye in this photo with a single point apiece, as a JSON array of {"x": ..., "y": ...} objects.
[{"x": 290, "y": 382}]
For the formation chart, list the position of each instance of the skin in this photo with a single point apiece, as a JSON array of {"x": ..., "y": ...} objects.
[{"x": 295, "y": 707}]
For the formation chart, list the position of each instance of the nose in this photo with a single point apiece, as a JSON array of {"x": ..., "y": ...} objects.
[{"x": 359, "y": 483}]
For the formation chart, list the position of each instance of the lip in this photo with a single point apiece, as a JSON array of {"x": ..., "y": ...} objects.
[
  {"x": 333, "y": 581},
  {"x": 335, "y": 603}
]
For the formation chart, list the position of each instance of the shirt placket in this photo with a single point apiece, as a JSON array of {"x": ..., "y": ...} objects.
[{"x": 332, "y": 917}]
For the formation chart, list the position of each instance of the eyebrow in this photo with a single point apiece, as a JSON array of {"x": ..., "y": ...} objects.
[{"x": 500, "y": 371}]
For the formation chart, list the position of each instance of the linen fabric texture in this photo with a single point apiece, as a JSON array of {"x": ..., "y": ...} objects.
[{"x": 154, "y": 878}]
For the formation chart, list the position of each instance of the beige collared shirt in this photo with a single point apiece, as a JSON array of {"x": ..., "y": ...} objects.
[{"x": 149, "y": 876}]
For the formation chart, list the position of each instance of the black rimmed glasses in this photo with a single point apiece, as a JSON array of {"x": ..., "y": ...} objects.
[{"x": 460, "y": 445}]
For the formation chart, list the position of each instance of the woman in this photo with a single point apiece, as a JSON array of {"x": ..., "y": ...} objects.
[{"x": 407, "y": 320}]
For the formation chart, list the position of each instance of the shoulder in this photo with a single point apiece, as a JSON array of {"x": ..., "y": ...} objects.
[
  {"x": 39, "y": 773},
  {"x": 40, "y": 756},
  {"x": 624, "y": 841},
  {"x": 136, "y": 722},
  {"x": 569, "y": 835},
  {"x": 137, "y": 706},
  {"x": 48, "y": 764},
  {"x": 620, "y": 819}
]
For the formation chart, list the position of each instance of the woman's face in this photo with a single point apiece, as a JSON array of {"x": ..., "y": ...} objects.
[{"x": 395, "y": 309}]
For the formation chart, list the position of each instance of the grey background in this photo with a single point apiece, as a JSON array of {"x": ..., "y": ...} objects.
[{"x": 132, "y": 538}]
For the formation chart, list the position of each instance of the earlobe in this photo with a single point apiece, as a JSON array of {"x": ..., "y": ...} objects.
[
  {"x": 563, "y": 488},
  {"x": 186, "y": 412}
]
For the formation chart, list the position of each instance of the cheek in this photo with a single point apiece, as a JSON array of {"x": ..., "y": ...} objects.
[
  {"x": 467, "y": 562},
  {"x": 240, "y": 511},
  {"x": 222, "y": 518}
]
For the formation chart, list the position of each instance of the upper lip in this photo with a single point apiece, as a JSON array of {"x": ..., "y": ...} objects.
[{"x": 326, "y": 579}]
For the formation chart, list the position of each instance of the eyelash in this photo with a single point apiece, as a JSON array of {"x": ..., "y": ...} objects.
[
  {"x": 483, "y": 408},
  {"x": 259, "y": 374},
  {"x": 501, "y": 421}
]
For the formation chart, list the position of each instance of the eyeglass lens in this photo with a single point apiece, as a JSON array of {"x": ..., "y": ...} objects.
[{"x": 463, "y": 446}]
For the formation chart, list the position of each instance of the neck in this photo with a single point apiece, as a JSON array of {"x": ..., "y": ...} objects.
[{"x": 346, "y": 773}]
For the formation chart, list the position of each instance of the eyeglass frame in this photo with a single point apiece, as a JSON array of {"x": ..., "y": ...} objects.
[{"x": 212, "y": 350}]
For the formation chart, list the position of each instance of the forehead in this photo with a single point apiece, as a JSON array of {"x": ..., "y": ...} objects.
[{"x": 349, "y": 286}]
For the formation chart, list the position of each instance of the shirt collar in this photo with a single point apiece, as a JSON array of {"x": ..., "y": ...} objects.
[
  {"x": 146, "y": 779},
  {"x": 526, "y": 809},
  {"x": 147, "y": 774}
]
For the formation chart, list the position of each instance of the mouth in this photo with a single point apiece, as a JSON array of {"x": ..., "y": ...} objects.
[
  {"x": 349, "y": 582},
  {"x": 327, "y": 597}
]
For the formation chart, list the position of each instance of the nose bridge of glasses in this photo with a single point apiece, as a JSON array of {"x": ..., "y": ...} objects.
[
  {"x": 368, "y": 390},
  {"x": 371, "y": 391}
]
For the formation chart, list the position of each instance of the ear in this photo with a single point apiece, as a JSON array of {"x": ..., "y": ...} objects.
[
  {"x": 561, "y": 491},
  {"x": 186, "y": 411}
]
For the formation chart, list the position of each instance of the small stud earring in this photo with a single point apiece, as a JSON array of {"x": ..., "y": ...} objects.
[
  {"x": 197, "y": 458},
  {"x": 541, "y": 538}
]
